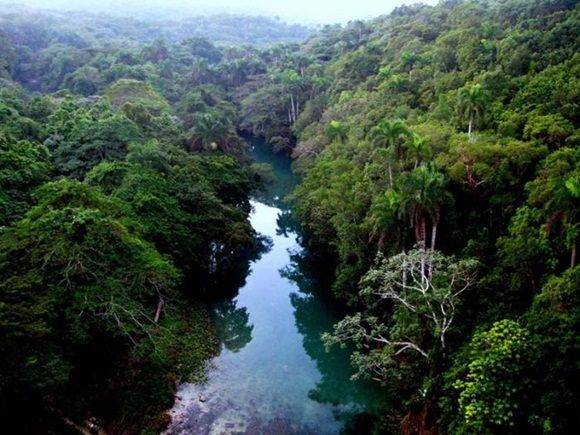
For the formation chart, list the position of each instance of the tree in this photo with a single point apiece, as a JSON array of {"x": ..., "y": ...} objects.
[
  {"x": 82, "y": 137},
  {"x": 424, "y": 193},
  {"x": 471, "y": 104},
  {"x": 84, "y": 81},
  {"x": 292, "y": 84},
  {"x": 556, "y": 191},
  {"x": 8, "y": 57},
  {"x": 199, "y": 71},
  {"x": 178, "y": 205},
  {"x": 384, "y": 214},
  {"x": 420, "y": 148},
  {"x": 209, "y": 132},
  {"x": 553, "y": 321},
  {"x": 125, "y": 91},
  {"x": 491, "y": 394},
  {"x": 23, "y": 167},
  {"x": 389, "y": 134},
  {"x": 424, "y": 309},
  {"x": 73, "y": 272}
]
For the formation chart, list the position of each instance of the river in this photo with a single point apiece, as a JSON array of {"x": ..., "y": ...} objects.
[{"x": 273, "y": 374}]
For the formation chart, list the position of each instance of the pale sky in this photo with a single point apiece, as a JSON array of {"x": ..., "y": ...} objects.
[{"x": 309, "y": 11}]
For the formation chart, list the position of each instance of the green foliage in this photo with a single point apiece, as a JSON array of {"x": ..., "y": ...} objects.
[
  {"x": 492, "y": 391},
  {"x": 553, "y": 320},
  {"x": 94, "y": 265},
  {"x": 23, "y": 166},
  {"x": 425, "y": 288},
  {"x": 135, "y": 92},
  {"x": 380, "y": 117},
  {"x": 71, "y": 267},
  {"x": 81, "y": 136},
  {"x": 177, "y": 206},
  {"x": 471, "y": 104},
  {"x": 336, "y": 131},
  {"x": 462, "y": 130}
]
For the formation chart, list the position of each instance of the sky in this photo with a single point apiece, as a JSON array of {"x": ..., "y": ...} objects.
[{"x": 306, "y": 11}]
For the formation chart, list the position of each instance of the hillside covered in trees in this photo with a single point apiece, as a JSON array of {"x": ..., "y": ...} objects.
[
  {"x": 438, "y": 150},
  {"x": 441, "y": 172},
  {"x": 83, "y": 30}
]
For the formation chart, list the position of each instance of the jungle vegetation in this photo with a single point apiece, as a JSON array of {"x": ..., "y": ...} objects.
[{"x": 440, "y": 161}]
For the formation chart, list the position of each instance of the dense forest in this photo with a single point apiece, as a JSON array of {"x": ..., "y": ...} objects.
[
  {"x": 438, "y": 150},
  {"x": 83, "y": 31}
]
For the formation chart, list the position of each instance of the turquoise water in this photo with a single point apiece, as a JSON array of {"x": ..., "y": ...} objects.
[{"x": 273, "y": 374}]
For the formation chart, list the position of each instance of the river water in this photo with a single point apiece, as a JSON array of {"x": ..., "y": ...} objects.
[{"x": 273, "y": 374}]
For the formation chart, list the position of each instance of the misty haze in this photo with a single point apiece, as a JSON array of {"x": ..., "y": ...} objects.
[
  {"x": 289, "y": 217},
  {"x": 302, "y": 11}
]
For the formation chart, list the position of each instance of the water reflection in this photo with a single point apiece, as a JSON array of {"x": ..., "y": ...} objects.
[
  {"x": 273, "y": 374},
  {"x": 232, "y": 325},
  {"x": 360, "y": 400},
  {"x": 275, "y": 193},
  {"x": 231, "y": 276}
]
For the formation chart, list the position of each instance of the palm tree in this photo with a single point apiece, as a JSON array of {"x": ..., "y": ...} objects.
[
  {"x": 292, "y": 84},
  {"x": 419, "y": 147},
  {"x": 423, "y": 196},
  {"x": 471, "y": 105},
  {"x": 385, "y": 211},
  {"x": 408, "y": 59},
  {"x": 209, "y": 132},
  {"x": 199, "y": 71},
  {"x": 389, "y": 134}
]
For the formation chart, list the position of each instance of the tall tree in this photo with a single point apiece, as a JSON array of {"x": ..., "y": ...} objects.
[
  {"x": 556, "y": 191},
  {"x": 293, "y": 84},
  {"x": 419, "y": 147},
  {"x": 390, "y": 135},
  {"x": 423, "y": 195},
  {"x": 209, "y": 132},
  {"x": 471, "y": 103}
]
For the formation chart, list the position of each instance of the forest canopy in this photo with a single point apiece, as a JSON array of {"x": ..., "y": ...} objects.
[{"x": 439, "y": 155}]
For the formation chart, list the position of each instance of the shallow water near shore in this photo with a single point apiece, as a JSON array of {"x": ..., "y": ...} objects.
[{"x": 273, "y": 374}]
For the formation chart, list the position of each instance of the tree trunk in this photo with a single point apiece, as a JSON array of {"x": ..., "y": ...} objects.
[
  {"x": 390, "y": 176},
  {"x": 381, "y": 244},
  {"x": 433, "y": 234},
  {"x": 422, "y": 240},
  {"x": 160, "y": 305},
  {"x": 292, "y": 108},
  {"x": 420, "y": 422},
  {"x": 573, "y": 256},
  {"x": 423, "y": 233},
  {"x": 470, "y": 128}
]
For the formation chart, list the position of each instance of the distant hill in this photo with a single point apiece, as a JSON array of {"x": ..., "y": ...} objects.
[{"x": 223, "y": 29}]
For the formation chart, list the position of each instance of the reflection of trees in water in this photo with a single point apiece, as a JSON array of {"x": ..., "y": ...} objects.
[
  {"x": 335, "y": 387},
  {"x": 284, "y": 180},
  {"x": 313, "y": 315},
  {"x": 232, "y": 325},
  {"x": 286, "y": 224},
  {"x": 231, "y": 275},
  {"x": 310, "y": 274}
]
